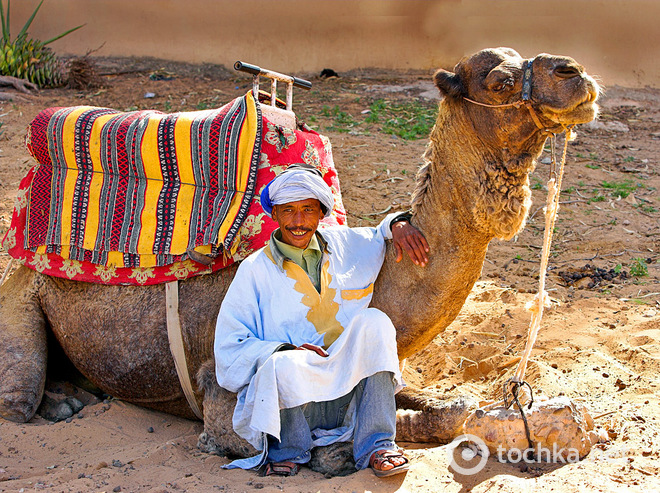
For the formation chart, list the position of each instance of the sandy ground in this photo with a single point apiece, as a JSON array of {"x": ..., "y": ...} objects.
[{"x": 599, "y": 344}]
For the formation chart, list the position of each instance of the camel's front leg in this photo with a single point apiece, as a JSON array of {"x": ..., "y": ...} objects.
[
  {"x": 423, "y": 417},
  {"x": 23, "y": 346}
]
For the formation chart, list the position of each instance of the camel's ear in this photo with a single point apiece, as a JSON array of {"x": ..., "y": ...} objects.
[{"x": 449, "y": 83}]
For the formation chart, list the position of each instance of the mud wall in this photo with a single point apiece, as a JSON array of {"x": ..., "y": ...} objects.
[{"x": 615, "y": 39}]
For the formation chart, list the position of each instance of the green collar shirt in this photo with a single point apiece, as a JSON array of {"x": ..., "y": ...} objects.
[{"x": 308, "y": 259}]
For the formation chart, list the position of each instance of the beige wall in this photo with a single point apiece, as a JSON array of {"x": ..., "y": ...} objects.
[{"x": 615, "y": 39}]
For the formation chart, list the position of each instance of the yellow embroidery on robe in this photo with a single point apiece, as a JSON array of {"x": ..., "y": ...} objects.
[
  {"x": 357, "y": 294},
  {"x": 323, "y": 308}
]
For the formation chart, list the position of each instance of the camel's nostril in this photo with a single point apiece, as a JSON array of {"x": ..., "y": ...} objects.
[{"x": 566, "y": 71}]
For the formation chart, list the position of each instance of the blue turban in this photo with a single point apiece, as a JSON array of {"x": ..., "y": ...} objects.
[{"x": 294, "y": 184}]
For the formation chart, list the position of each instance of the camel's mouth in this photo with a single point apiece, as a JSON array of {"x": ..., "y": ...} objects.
[{"x": 583, "y": 111}]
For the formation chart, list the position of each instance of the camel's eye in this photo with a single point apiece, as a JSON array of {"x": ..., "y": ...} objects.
[{"x": 502, "y": 85}]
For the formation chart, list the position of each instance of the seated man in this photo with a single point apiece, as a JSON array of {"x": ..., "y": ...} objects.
[{"x": 311, "y": 362}]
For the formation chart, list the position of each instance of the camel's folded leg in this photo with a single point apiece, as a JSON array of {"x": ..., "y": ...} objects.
[
  {"x": 424, "y": 418},
  {"x": 24, "y": 346},
  {"x": 219, "y": 436}
]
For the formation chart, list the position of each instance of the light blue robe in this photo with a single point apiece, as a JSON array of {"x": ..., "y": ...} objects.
[{"x": 268, "y": 305}]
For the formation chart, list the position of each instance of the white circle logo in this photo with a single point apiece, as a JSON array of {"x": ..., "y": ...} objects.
[{"x": 472, "y": 456}]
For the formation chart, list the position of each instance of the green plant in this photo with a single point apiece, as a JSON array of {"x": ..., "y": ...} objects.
[
  {"x": 620, "y": 189},
  {"x": 375, "y": 110},
  {"x": 28, "y": 58},
  {"x": 343, "y": 121},
  {"x": 597, "y": 198},
  {"x": 537, "y": 185},
  {"x": 592, "y": 166},
  {"x": 638, "y": 267},
  {"x": 618, "y": 268},
  {"x": 629, "y": 159},
  {"x": 409, "y": 120}
]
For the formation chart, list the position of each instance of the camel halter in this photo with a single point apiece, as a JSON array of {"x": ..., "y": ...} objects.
[{"x": 525, "y": 97}]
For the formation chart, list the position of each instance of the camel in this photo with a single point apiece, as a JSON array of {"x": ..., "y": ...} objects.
[{"x": 473, "y": 187}]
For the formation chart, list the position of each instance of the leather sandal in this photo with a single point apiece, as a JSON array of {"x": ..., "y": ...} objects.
[
  {"x": 382, "y": 457},
  {"x": 285, "y": 468}
]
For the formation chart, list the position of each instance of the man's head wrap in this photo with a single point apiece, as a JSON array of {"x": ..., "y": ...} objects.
[{"x": 294, "y": 184}]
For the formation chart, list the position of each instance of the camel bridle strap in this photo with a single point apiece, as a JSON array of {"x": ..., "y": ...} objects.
[{"x": 525, "y": 97}]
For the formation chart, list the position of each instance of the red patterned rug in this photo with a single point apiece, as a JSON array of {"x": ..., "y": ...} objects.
[{"x": 146, "y": 197}]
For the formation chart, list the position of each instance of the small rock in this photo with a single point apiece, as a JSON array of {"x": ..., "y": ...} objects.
[
  {"x": 149, "y": 95},
  {"x": 116, "y": 489},
  {"x": 117, "y": 463},
  {"x": 650, "y": 313},
  {"x": 612, "y": 126},
  {"x": 150, "y": 429}
]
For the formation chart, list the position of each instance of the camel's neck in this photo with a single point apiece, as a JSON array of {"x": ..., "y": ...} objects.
[{"x": 467, "y": 194}]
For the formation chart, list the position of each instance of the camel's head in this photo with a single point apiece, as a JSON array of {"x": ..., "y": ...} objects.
[
  {"x": 559, "y": 89},
  {"x": 504, "y": 107}
]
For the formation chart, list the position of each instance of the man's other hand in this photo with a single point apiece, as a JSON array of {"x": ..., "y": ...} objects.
[
  {"x": 313, "y": 347},
  {"x": 407, "y": 237}
]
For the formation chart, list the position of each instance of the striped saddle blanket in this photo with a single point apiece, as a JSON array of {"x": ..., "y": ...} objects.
[{"x": 146, "y": 197}]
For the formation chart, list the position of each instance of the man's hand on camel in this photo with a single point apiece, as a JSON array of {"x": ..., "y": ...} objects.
[
  {"x": 313, "y": 347},
  {"x": 407, "y": 237}
]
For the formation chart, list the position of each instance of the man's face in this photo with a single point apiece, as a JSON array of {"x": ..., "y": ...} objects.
[{"x": 298, "y": 221}]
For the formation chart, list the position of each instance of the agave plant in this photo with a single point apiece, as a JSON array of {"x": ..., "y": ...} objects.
[{"x": 28, "y": 58}]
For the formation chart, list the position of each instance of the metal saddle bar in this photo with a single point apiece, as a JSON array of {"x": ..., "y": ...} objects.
[{"x": 274, "y": 77}]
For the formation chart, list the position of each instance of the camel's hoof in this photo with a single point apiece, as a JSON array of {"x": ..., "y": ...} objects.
[
  {"x": 334, "y": 460},
  {"x": 559, "y": 428},
  {"x": 18, "y": 406}
]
